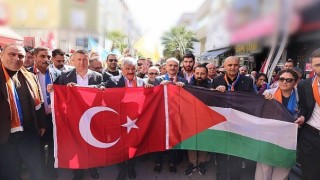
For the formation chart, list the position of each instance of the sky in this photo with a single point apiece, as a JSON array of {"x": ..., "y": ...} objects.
[
  {"x": 154, "y": 17},
  {"x": 160, "y": 15}
]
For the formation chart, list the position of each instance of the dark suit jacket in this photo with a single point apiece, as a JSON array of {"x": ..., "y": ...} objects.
[
  {"x": 245, "y": 84},
  {"x": 5, "y": 117},
  {"x": 306, "y": 99},
  {"x": 118, "y": 81},
  {"x": 159, "y": 79},
  {"x": 71, "y": 76},
  {"x": 106, "y": 76}
]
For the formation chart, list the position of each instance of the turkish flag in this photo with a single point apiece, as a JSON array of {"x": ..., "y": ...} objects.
[{"x": 98, "y": 128}]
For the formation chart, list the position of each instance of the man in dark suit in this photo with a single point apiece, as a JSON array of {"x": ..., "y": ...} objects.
[
  {"x": 309, "y": 116},
  {"x": 172, "y": 67},
  {"x": 231, "y": 81},
  {"x": 22, "y": 116},
  {"x": 127, "y": 79},
  {"x": 81, "y": 76}
]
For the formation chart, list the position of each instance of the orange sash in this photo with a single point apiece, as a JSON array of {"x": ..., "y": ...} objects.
[{"x": 315, "y": 90}]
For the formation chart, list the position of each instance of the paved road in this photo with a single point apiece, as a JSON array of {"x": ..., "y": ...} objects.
[{"x": 144, "y": 171}]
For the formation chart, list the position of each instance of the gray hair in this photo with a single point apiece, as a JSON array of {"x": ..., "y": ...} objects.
[
  {"x": 129, "y": 61},
  {"x": 154, "y": 68},
  {"x": 172, "y": 59}
]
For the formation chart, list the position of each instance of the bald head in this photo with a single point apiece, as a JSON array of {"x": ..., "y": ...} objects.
[
  {"x": 13, "y": 56},
  {"x": 232, "y": 64}
]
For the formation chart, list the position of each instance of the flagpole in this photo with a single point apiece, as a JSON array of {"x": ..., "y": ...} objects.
[{"x": 165, "y": 89}]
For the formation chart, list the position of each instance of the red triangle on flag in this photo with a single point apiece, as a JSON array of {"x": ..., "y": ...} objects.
[{"x": 188, "y": 116}]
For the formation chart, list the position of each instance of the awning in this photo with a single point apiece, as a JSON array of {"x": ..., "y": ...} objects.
[
  {"x": 8, "y": 36},
  {"x": 212, "y": 54}
]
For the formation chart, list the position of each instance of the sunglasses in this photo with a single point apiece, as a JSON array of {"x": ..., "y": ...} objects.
[
  {"x": 139, "y": 64},
  {"x": 153, "y": 74},
  {"x": 287, "y": 80},
  {"x": 222, "y": 72},
  {"x": 113, "y": 60}
]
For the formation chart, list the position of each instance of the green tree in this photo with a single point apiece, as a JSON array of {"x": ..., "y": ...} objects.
[
  {"x": 118, "y": 40},
  {"x": 177, "y": 42}
]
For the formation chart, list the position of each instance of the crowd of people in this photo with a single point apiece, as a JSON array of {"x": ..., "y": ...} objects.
[{"x": 27, "y": 76}]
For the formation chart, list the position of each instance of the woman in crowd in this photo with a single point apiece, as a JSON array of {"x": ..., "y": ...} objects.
[{"x": 286, "y": 94}]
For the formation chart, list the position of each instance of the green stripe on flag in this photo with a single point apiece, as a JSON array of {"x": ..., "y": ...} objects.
[{"x": 242, "y": 146}]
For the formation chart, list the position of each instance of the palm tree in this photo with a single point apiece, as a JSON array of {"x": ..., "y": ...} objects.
[
  {"x": 177, "y": 42},
  {"x": 118, "y": 40}
]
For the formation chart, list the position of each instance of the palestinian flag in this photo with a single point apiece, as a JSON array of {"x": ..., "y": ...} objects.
[{"x": 97, "y": 128}]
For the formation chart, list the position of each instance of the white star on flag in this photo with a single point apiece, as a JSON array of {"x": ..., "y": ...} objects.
[{"x": 130, "y": 124}]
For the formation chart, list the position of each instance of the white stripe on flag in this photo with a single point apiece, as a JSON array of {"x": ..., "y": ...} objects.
[
  {"x": 166, "y": 110},
  {"x": 280, "y": 133},
  {"x": 55, "y": 146}
]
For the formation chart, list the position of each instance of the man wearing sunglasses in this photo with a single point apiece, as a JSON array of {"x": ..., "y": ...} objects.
[
  {"x": 231, "y": 81},
  {"x": 142, "y": 67},
  {"x": 112, "y": 62},
  {"x": 309, "y": 116}
]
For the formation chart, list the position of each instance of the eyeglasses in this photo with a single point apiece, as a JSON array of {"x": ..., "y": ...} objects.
[
  {"x": 153, "y": 74},
  {"x": 139, "y": 64},
  {"x": 287, "y": 80},
  {"x": 113, "y": 60},
  {"x": 221, "y": 72}
]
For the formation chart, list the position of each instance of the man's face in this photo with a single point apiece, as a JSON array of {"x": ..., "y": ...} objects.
[
  {"x": 96, "y": 66},
  {"x": 231, "y": 66},
  {"x": 81, "y": 61},
  {"x": 112, "y": 62},
  {"x": 28, "y": 62},
  {"x": 200, "y": 74},
  {"x": 316, "y": 65},
  {"x": 188, "y": 64},
  {"x": 172, "y": 68},
  {"x": 152, "y": 74},
  {"x": 128, "y": 71},
  {"x": 42, "y": 59},
  {"x": 58, "y": 61},
  {"x": 163, "y": 70},
  {"x": 212, "y": 70},
  {"x": 243, "y": 71},
  {"x": 142, "y": 66},
  {"x": 13, "y": 57},
  {"x": 288, "y": 65}
]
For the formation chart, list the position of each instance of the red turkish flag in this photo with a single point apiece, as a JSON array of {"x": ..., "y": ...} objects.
[{"x": 98, "y": 128}]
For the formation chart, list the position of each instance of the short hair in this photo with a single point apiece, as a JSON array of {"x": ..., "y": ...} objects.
[
  {"x": 113, "y": 54},
  {"x": 81, "y": 52},
  {"x": 129, "y": 61},
  {"x": 28, "y": 49},
  {"x": 8, "y": 45},
  {"x": 142, "y": 58},
  {"x": 94, "y": 58},
  {"x": 292, "y": 72},
  {"x": 315, "y": 54},
  {"x": 154, "y": 68},
  {"x": 243, "y": 67},
  {"x": 189, "y": 55},
  {"x": 172, "y": 59},
  {"x": 202, "y": 66},
  {"x": 58, "y": 52},
  {"x": 38, "y": 49},
  {"x": 261, "y": 74},
  {"x": 289, "y": 61}
]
